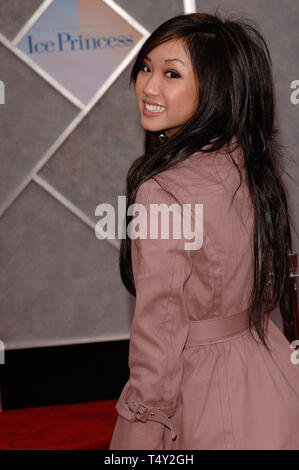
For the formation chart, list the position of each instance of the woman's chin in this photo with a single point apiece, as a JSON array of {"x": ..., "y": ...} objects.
[{"x": 153, "y": 128}]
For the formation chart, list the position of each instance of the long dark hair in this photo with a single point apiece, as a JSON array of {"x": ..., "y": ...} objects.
[{"x": 233, "y": 69}]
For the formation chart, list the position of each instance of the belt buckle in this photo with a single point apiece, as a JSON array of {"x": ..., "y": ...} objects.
[{"x": 142, "y": 413}]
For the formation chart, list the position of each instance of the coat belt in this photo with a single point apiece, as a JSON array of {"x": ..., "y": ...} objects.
[
  {"x": 144, "y": 413},
  {"x": 216, "y": 329}
]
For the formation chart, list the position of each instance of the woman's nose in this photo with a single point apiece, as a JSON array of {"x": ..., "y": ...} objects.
[{"x": 152, "y": 86}]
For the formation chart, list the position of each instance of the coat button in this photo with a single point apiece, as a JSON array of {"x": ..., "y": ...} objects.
[
  {"x": 134, "y": 403},
  {"x": 152, "y": 414}
]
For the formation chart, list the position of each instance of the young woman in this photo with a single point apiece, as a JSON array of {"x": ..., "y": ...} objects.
[{"x": 209, "y": 369}]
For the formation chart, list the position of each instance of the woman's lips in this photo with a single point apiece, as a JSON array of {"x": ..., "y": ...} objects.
[{"x": 148, "y": 113}]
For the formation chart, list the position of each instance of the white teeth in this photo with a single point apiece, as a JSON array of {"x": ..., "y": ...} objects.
[{"x": 153, "y": 108}]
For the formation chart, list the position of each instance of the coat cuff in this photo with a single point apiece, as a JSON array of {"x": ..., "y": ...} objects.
[{"x": 129, "y": 407}]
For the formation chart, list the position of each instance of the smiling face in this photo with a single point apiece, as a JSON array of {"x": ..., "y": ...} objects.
[{"x": 171, "y": 84}]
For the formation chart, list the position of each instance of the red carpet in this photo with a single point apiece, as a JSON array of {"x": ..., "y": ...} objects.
[{"x": 73, "y": 426}]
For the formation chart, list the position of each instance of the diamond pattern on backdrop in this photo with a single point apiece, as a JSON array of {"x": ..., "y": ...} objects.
[
  {"x": 34, "y": 115},
  {"x": 58, "y": 282},
  {"x": 79, "y": 43}
]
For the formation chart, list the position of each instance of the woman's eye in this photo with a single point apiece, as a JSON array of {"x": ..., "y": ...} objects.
[
  {"x": 175, "y": 74},
  {"x": 142, "y": 67}
]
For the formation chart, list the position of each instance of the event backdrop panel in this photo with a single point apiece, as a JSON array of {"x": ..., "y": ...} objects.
[
  {"x": 15, "y": 13},
  {"x": 151, "y": 13},
  {"x": 63, "y": 155},
  {"x": 58, "y": 281},
  {"x": 79, "y": 43},
  {"x": 33, "y": 116}
]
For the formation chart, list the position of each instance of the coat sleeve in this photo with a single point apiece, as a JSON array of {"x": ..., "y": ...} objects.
[{"x": 159, "y": 330}]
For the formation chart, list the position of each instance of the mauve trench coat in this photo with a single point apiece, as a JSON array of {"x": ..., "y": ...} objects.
[{"x": 215, "y": 387}]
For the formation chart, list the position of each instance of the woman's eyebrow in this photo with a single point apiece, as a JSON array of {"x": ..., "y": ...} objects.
[{"x": 168, "y": 60}]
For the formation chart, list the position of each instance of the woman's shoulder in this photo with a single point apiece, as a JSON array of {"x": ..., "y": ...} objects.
[
  {"x": 200, "y": 173},
  {"x": 156, "y": 190},
  {"x": 174, "y": 182},
  {"x": 203, "y": 172}
]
